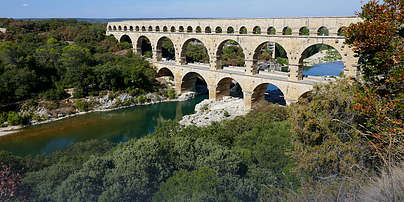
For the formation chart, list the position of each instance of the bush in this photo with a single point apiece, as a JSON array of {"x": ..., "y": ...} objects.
[
  {"x": 82, "y": 105},
  {"x": 171, "y": 94},
  {"x": 141, "y": 99},
  {"x": 14, "y": 118}
]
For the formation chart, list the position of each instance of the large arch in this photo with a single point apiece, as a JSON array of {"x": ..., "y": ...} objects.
[
  {"x": 143, "y": 47},
  {"x": 267, "y": 92},
  {"x": 194, "y": 82},
  {"x": 165, "y": 49},
  {"x": 332, "y": 55},
  {"x": 165, "y": 72},
  {"x": 194, "y": 50},
  {"x": 270, "y": 56},
  {"x": 125, "y": 38},
  {"x": 228, "y": 86},
  {"x": 236, "y": 55}
]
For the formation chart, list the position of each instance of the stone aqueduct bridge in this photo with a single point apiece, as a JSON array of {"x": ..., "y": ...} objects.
[{"x": 214, "y": 33}]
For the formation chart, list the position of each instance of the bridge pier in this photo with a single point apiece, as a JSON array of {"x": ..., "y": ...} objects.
[
  {"x": 157, "y": 55},
  {"x": 247, "y": 98},
  {"x": 212, "y": 92}
]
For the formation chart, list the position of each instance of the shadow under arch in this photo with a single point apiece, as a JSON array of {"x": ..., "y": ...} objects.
[
  {"x": 228, "y": 86},
  {"x": 193, "y": 50},
  {"x": 270, "y": 56},
  {"x": 267, "y": 92},
  {"x": 143, "y": 47},
  {"x": 125, "y": 38},
  {"x": 165, "y": 72},
  {"x": 229, "y": 53},
  {"x": 194, "y": 82},
  {"x": 321, "y": 59},
  {"x": 165, "y": 49},
  {"x": 305, "y": 97}
]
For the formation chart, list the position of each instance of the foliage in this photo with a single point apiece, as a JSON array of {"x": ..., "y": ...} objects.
[
  {"x": 378, "y": 41},
  {"x": 82, "y": 105},
  {"x": 9, "y": 180},
  {"x": 13, "y": 118},
  {"x": 196, "y": 52}
]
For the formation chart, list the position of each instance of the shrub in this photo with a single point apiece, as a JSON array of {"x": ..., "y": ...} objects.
[
  {"x": 82, "y": 105},
  {"x": 141, "y": 99},
  {"x": 14, "y": 118},
  {"x": 171, "y": 94}
]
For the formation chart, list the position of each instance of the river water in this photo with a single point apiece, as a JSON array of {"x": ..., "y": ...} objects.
[
  {"x": 116, "y": 126},
  {"x": 325, "y": 69}
]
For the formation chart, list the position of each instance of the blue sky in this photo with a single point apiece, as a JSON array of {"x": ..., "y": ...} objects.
[{"x": 175, "y": 8}]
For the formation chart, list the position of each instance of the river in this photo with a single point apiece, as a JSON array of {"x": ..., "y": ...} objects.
[
  {"x": 116, "y": 126},
  {"x": 325, "y": 69}
]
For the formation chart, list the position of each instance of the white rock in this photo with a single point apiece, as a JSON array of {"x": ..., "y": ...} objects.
[{"x": 186, "y": 96}]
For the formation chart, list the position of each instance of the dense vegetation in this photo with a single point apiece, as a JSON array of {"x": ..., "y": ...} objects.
[
  {"x": 47, "y": 56},
  {"x": 326, "y": 147}
]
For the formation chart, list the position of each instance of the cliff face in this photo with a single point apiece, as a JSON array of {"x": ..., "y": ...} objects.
[{"x": 322, "y": 57}]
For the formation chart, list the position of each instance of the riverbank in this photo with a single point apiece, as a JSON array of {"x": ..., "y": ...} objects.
[
  {"x": 105, "y": 105},
  {"x": 209, "y": 111},
  {"x": 324, "y": 56}
]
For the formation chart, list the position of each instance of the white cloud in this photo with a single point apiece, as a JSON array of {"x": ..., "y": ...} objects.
[{"x": 25, "y": 5}]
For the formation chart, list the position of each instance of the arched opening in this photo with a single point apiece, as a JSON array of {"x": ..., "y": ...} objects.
[
  {"x": 194, "y": 51},
  {"x": 271, "y": 31},
  {"x": 150, "y": 29},
  {"x": 165, "y": 72},
  {"x": 321, "y": 60},
  {"x": 125, "y": 38},
  {"x": 243, "y": 30},
  {"x": 109, "y": 28},
  {"x": 198, "y": 29},
  {"x": 114, "y": 28},
  {"x": 131, "y": 28},
  {"x": 341, "y": 31},
  {"x": 218, "y": 30},
  {"x": 208, "y": 30},
  {"x": 322, "y": 31},
  {"x": 125, "y": 28},
  {"x": 267, "y": 93},
  {"x": 157, "y": 28},
  {"x": 230, "y": 54},
  {"x": 137, "y": 28},
  {"x": 228, "y": 87},
  {"x": 304, "y": 31},
  {"x": 270, "y": 57},
  {"x": 287, "y": 31},
  {"x": 165, "y": 29},
  {"x": 119, "y": 28},
  {"x": 189, "y": 29},
  {"x": 165, "y": 49},
  {"x": 143, "y": 28},
  {"x": 166, "y": 78},
  {"x": 306, "y": 97},
  {"x": 181, "y": 29},
  {"x": 257, "y": 30},
  {"x": 230, "y": 30},
  {"x": 194, "y": 82},
  {"x": 144, "y": 47},
  {"x": 172, "y": 29}
]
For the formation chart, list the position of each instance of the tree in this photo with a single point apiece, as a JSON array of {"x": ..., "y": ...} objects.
[
  {"x": 9, "y": 182},
  {"x": 378, "y": 41}
]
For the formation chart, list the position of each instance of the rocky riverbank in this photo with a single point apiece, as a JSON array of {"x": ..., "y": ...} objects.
[
  {"x": 323, "y": 56},
  {"x": 41, "y": 113},
  {"x": 209, "y": 111}
]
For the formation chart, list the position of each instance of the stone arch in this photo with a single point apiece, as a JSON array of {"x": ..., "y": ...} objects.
[
  {"x": 125, "y": 38},
  {"x": 194, "y": 82},
  {"x": 165, "y": 52},
  {"x": 137, "y": 28},
  {"x": 230, "y": 30},
  {"x": 341, "y": 31},
  {"x": 114, "y": 28},
  {"x": 219, "y": 52},
  {"x": 172, "y": 29},
  {"x": 228, "y": 86},
  {"x": 109, "y": 28},
  {"x": 271, "y": 31},
  {"x": 181, "y": 29},
  {"x": 198, "y": 29},
  {"x": 125, "y": 28},
  {"x": 189, "y": 29},
  {"x": 304, "y": 31},
  {"x": 205, "y": 53},
  {"x": 322, "y": 31},
  {"x": 165, "y": 72},
  {"x": 218, "y": 30},
  {"x": 257, "y": 30},
  {"x": 165, "y": 29},
  {"x": 157, "y": 29},
  {"x": 131, "y": 28},
  {"x": 287, "y": 31},
  {"x": 308, "y": 51},
  {"x": 272, "y": 62},
  {"x": 150, "y": 29},
  {"x": 305, "y": 96},
  {"x": 208, "y": 30},
  {"x": 243, "y": 30},
  {"x": 144, "y": 47},
  {"x": 267, "y": 92},
  {"x": 119, "y": 28},
  {"x": 143, "y": 28}
]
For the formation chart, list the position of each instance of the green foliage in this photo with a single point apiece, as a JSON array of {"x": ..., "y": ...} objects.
[
  {"x": 82, "y": 105},
  {"x": 196, "y": 52},
  {"x": 124, "y": 46},
  {"x": 14, "y": 118},
  {"x": 141, "y": 99}
]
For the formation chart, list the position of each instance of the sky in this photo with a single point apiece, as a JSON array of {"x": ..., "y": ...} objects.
[{"x": 176, "y": 8}]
